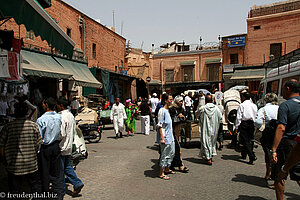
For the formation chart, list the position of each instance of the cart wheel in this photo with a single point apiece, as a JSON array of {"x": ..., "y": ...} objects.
[{"x": 182, "y": 138}]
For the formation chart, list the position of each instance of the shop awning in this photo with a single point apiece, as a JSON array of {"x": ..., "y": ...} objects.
[
  {"x": 213, "y": 60},
  {"x": 34, "y": 17},
  {"x": 43, "y": 65},
  {"x": 187, "y": 63},
  {"x": 81, "y": 73},
  {"x": 248, "y": 74}
]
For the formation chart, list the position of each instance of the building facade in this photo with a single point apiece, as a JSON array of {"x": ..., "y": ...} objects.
[
  {"x": 272, "y": 31},
  {"x": 95, "y": 44},
  {"x": 183, "y": 70}
]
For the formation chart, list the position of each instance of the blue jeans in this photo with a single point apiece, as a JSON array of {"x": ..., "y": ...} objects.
[{"x": 69, "y": 172}]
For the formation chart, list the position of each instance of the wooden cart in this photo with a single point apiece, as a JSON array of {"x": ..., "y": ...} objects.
[{"x": 189, "y": 131}]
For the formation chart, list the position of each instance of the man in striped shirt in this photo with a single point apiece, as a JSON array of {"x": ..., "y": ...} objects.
[{"x": 19, "y": 142}]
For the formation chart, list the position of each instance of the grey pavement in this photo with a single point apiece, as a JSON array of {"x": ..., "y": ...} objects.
[{"x": 127, "y": 168}]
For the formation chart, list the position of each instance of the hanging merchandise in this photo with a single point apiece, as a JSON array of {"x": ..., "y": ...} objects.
[
  {"x": 6, "y": 38},
  {"x": 4, "y": 72},
  {"x": 13, "y": 61},
  {"x": 4, "y": 88}
]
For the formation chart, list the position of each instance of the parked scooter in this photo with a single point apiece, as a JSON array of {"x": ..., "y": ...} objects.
[{"x": 91, "y": 132}]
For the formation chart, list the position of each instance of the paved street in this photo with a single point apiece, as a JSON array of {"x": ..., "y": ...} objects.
[{"x": 127, "y": 169}]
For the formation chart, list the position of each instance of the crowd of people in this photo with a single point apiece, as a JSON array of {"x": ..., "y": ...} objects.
[
  {"x": 40, "y": 151},
  {"x": 280, "y": 127}
]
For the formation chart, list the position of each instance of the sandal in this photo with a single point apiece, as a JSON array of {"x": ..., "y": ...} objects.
[
  {"x": 165, "y": 177},
  {"x": 184, "y": 170},
  {"x": 170, "y": 172}
]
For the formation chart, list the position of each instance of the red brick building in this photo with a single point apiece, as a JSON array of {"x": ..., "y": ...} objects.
[
  {"x": 272, "y": 30},
  {"x": 95, "y": 43}
]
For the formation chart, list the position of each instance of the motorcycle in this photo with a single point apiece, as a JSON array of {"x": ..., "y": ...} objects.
[{"x": 91, "y": 132}]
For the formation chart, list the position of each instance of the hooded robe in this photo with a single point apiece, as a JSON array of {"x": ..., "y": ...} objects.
[{"x": 210, "y": 119}]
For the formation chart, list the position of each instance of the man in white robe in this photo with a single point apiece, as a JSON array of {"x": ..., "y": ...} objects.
[
  {"x": 210, "y": 119},
  {"x": 117, "y": 117}
]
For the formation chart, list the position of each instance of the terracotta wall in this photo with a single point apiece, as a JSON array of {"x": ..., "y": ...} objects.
[
  {"x": 110, "y": 47},
  {"x": 164, "y": 62},
  {"x": 281, "y": 28}
]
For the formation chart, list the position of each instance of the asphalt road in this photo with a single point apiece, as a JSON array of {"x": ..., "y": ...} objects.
[{"x": 127, "y": 168}]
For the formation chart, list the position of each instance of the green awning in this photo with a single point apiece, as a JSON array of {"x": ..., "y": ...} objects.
[
  {"x": 248, "y": 74},
  {"x": 34, "y": 17},
  {"x": 81, "y": 73},
  {"x": 212, "y": 60},
  {"x": 43, "y": 65},
  {"x": 187, "y": 63}
]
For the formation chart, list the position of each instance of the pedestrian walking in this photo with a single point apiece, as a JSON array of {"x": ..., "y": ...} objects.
[
  {"x": 209, "y": 121},
  {"x": 117, "y": 117},
  {"x": 167, "y": 146},
  {"x": 246, "y": 115},
  {"x": 293, "y": 159},
  {"x": 266, "y": 118},
  {"x": 68, "y": 131},
  {"x": 287, "y": 129},
  {"x": 177, "y": 114},
  {"x": 74, "y": 106},
  {"x": 145, "y": 117},
  {"x": 188, "y": 105},
  {"x": 50, "y": 156},
  {"x": 19, "y": 143},
  {"x": 130, "y": 121},
  {"x": 153, "y": 104}
]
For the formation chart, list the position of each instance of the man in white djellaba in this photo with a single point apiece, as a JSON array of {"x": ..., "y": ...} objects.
[
  {"x": 209, "y": 121},
  {"x": 117, "y": 117}
]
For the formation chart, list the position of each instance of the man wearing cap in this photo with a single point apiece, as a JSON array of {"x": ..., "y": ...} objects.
[{"x": 153, "y": 103}]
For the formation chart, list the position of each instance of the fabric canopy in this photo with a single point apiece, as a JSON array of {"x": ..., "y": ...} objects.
[
  {"x": 81, "y": 73},
  {"x": 248, "y": 74},
  {"x": 186, "y": 63},
  {"x": 34, "y": 17},
  {"x": 43, "y": 65},
  {"x": 213, "y": 60}
]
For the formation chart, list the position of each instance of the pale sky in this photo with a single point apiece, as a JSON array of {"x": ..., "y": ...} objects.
[{"x": 164, "y": 21}]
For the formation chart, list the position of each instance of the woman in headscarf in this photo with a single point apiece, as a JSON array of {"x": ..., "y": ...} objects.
[
  {"x": 130, "y": 119},
  {"x": 267, "y": 117},
  {"x": 178, "y": 118}
]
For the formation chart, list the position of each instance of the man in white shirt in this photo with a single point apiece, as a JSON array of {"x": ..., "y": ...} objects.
[
  {"x": 153, "y": 102},
  {"x": 117, "y": 117},
  {"x": 188, "y": 104},
  {"x": 68, "y": 130},
  {"x": 246, "y": 115}
]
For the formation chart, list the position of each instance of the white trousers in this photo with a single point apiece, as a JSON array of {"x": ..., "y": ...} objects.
[
  {"x": 145, "y": 124},
  {"x": 118, "y": 125}
]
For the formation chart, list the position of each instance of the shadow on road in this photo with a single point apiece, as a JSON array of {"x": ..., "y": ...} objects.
[
  {"x": 253, "y": 180},
  {"x": 154, "y": 172},
  {"x": 233, "y": 157},
  {"x": 154, "y": 148},
  {"x": 291, "y": 196},
  {"x": 196, "y": 160},
  {"x": 245, "y": 197},
  {"x": 191, "y": 145}
]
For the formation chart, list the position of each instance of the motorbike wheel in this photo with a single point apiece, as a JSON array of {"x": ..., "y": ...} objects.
[{"x": 97, "y": 136}]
